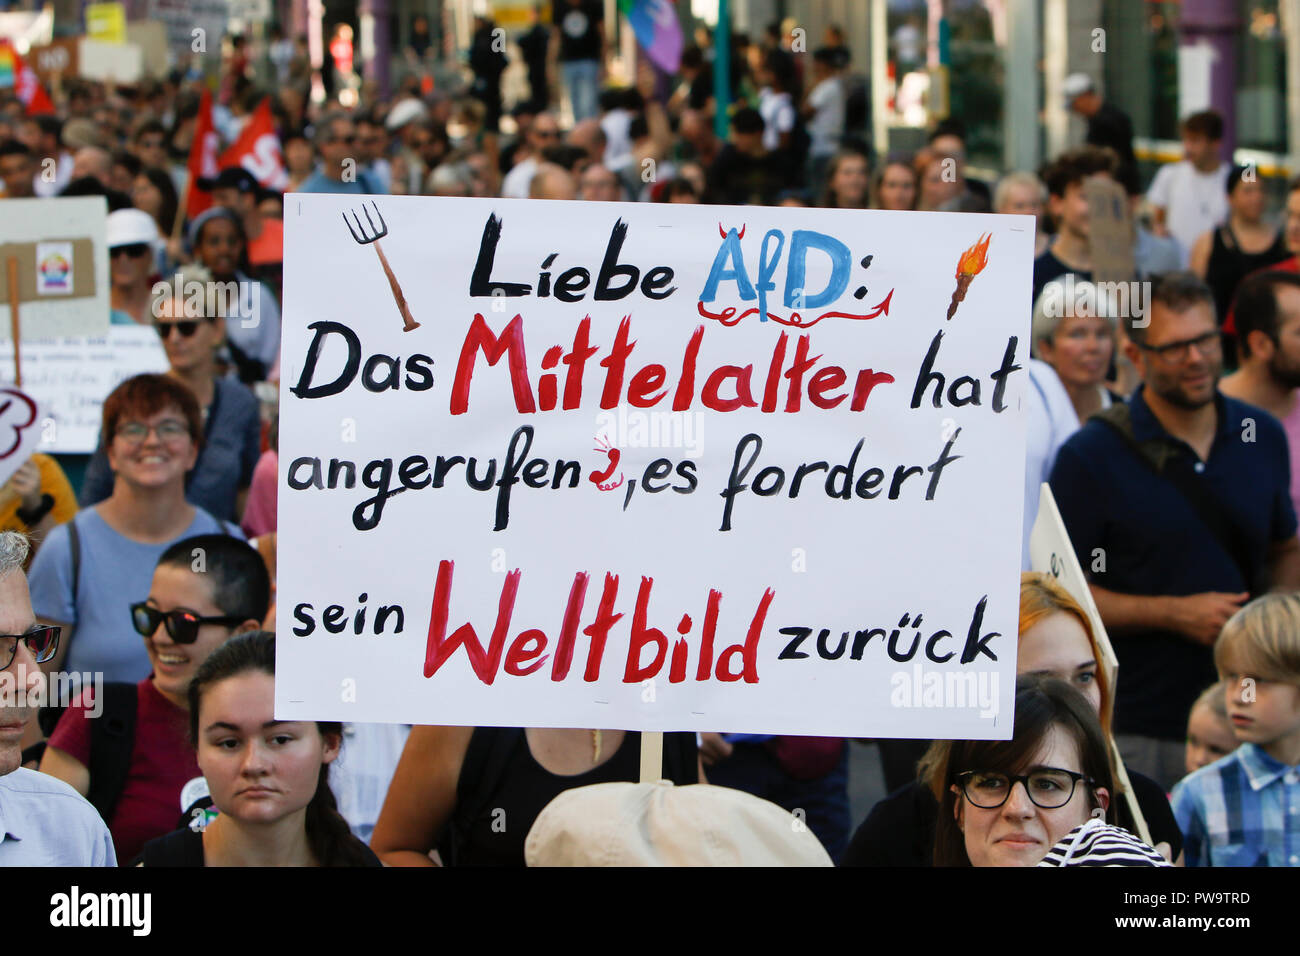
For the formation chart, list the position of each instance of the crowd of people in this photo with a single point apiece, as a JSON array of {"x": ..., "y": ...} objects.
[{"x": 1178, "y": 486}]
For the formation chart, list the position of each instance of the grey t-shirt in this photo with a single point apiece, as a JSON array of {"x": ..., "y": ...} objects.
[{"x": 115, "y": 572}]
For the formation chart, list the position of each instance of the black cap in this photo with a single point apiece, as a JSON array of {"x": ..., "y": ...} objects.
[{"x": 232, "y": 177}]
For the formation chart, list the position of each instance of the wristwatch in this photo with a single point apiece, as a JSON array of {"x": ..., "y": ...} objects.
[{"x": 33, "y": 518}]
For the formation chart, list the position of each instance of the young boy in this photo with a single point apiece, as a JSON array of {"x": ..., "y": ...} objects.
[
  {"x": 205, "y": 589},
  {"x": 1241, "y": 810}
]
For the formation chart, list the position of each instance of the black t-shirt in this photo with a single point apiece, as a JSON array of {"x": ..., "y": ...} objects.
[
  {"x": 1047, "y": 267},
  {"x": 899, "y": 831},
  {"x": 580, "y": 25},
  {"x": 184, "y": 847},
  {"x": 510, "y": 788}
]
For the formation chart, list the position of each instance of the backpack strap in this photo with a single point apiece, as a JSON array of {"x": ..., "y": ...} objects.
[
  {"x": 74, "y": 548},
  {"x": 112, "y": 740},
  {"x": 489, "y": 752},
  {"x": 1163, "y": 457}
]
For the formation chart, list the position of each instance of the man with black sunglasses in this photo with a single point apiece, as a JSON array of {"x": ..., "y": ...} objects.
[
  {"x": 205, "y": 589},
  {"x": 43, "y": 821},
  {"x": 1178, "y": 505}
]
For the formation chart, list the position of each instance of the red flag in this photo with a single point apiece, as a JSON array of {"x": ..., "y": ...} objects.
[
  {"x": 203, "y": 158},
  {"x": 27, "y": 87},
  {"x": 258, "y": 150}
]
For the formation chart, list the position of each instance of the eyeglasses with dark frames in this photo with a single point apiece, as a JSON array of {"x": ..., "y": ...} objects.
[
  {"x": 42, "y": 641},
  {"x": 1210, "y": 343},
  {"x": 1048, "y": 787}
]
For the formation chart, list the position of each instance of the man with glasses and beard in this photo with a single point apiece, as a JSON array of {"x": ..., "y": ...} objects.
[
  {"x": 1178, "y": 504},
  {"x": 1267, "y": 307},
  {"x": 43, "y": 821}
]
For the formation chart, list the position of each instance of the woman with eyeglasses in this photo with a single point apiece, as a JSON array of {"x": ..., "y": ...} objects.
[
  {"x": 89, "y": 570},
  {"x": 204, "y": 590},
  {"x": 229, "y": 413},
  {"x": 268, "y": 778},
  {"x": 132, "y": 261},
  {"x": 1056, "y": 639},
  {"x": 1014, "y": 802}
]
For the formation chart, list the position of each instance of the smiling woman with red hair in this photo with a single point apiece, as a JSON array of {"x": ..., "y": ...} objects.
[{"x": 89, "y": 570}]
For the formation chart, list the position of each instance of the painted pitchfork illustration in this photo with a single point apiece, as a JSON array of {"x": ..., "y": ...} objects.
[{"x": 370, "y": 234}]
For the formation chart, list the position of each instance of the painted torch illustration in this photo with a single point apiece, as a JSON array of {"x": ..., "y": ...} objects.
[
  {"x": 971, "y": 263},
  {"x": 370, "y": 234}
]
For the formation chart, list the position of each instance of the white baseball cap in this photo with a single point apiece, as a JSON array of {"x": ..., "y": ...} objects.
[
  {"x": 1075, "y": 85},
  {"x": 127, "y": 227}
]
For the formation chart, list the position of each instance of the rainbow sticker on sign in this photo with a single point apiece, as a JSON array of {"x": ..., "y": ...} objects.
[{"x": 53, "y": 268}]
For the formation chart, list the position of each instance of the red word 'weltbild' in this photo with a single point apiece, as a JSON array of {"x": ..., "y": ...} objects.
[{"x": 527, "y": 653}]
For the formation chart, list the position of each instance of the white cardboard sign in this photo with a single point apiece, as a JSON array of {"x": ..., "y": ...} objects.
[
  {"x": 544, "y": 464},
  {"x": 70, "y": 378},
  {"x": 20, "y": 429}
]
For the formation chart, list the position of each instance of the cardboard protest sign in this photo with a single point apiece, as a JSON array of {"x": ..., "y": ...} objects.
[
  {"x": 57, "y": 250},
  {"x": 69, "y": 378},
  {"x": 655, "y": 467},
  {"x": 1050, "y": 552},
  {"x": 1110, "y": 231},
  {"x": 20, "y": 430},
  {"x": 110, "y": 62}
]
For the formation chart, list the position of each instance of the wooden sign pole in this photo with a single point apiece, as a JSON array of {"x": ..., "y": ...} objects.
[
  {"x": 652, "y": 756},
  {"x": 12, "y": 266}
]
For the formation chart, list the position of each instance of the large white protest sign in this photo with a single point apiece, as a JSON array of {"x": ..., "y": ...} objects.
[
  {"x": 654, "y": 467},
  {"x": 20, "y": 430},
  {"x": 70, "y": 378}
]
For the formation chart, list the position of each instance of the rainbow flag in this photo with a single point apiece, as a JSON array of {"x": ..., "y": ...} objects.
[
  {"x": 657, "y": 30},
  {"x": 14, "y": 72}
]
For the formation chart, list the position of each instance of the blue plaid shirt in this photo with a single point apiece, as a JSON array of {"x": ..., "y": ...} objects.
[{"x": 1243, "y": 810}]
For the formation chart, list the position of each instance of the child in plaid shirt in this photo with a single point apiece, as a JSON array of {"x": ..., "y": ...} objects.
[{"x": 1244, "y": 810}]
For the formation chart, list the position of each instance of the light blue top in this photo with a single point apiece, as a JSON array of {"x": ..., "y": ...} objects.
[
  {"x": 44, "y": 822},
  {"x": 115, "y": 572}
]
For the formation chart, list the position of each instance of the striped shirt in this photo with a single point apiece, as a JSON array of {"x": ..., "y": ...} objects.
[
  {"x": 1096, "y": 843},
  {"x": 1242, "y": 810}
]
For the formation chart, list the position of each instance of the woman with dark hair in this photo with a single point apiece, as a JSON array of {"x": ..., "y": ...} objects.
[
  {"x": 847, "y": 181},
  {"x": 219, "y": 242},
  {"x": 155, "y": 193},
  {"x": 1246, "y": 243},
  {"x": 268, "y": 778},
  {"x": 1007, "y": 802}
]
